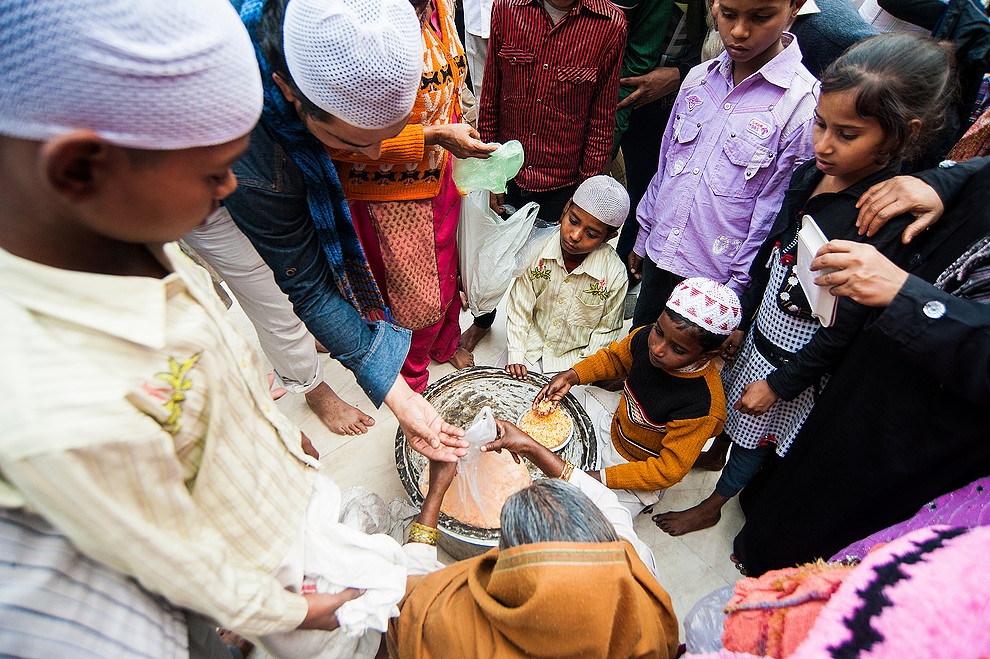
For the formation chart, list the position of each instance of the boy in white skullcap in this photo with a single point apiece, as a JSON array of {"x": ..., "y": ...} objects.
[
  {"x": 138, "y": 421},
  {"x": 568, "y": 302},
  {"x": 672, "y": 401}
]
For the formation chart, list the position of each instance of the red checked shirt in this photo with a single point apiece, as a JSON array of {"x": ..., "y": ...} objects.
[{"x": 553, "y": 88}]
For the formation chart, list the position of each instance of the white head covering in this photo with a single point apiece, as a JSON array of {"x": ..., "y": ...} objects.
[
  {"x": 604, "y": 198},
  {"x": 360, "y": 60},
  {"x": 150, "y": 74},
  {"x": 708, "y": 304}
]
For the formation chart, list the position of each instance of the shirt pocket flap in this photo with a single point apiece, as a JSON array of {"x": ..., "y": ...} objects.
[
  {"x": 687, "y": 130},
  {"x": 515, "y": 55},
  {"x": 576, "y": 74},
  {"x": 743, "y": 153}
]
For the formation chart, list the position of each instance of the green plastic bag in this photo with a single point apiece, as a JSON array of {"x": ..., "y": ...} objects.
[{"x": 492, "y": 173}]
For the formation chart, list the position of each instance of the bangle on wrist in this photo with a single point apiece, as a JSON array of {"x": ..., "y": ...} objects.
[
  {"x": 565, "y": 475},
  {"x": 424, "y": 534}
]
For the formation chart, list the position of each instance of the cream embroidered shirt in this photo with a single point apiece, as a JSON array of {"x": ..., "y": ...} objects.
[
  {"x": 138, "y": 422},
  {"x": 562, "y": 317}
]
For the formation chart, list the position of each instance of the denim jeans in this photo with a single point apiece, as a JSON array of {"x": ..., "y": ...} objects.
[{"x": 270, "y": 207}]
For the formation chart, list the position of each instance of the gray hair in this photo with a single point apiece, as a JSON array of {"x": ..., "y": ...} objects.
[{"x": 552, "y": 510}]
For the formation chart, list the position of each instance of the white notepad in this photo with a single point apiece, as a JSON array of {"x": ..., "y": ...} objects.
[{"x": 810, "y": 240}]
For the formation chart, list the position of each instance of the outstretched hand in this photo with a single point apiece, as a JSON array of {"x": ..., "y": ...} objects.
[
  {"x": 425, "y": 430},
  {"x": 557, "y": 388},
  {"x": 896, "y": 196}
]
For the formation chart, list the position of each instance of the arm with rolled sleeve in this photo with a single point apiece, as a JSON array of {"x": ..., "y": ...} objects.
[
  {"x": 279, "y": 226},
  {"x": 795, "y": 151},
  {"x": 645, "y": 213},
  {"x": 681, "y": 447},
  {"x": 124, "y": 504},
  {"x": 519, "y": 312},
  {"x": 600, "y": 127},
  {"x": 954, "y": 347}
]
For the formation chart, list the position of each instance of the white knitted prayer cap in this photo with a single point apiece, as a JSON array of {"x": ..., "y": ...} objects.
[
  {"x": 706, "y": 303},
  {"x": 360, "y": 60},
  {"x": 150, "y": 74},
  {"x": 604, "y": 198}
]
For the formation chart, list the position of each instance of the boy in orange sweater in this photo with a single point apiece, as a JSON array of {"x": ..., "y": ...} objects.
[{"x": 672, "y": 401}]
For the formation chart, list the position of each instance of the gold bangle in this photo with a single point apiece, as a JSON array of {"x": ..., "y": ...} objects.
[
  {"x": 424, "y": 534},
  {"x": 568, "y": 470}
]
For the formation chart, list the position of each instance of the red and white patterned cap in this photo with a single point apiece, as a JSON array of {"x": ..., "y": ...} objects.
[{"x": 708, "y": 304}]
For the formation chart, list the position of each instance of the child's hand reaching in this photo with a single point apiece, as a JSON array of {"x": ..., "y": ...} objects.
[
  {"x": 518, "y": 371},
  {"x": 756, "y": 398},
  {"x": 557, "y": 389},
  {"x": 730, "y": 348}
]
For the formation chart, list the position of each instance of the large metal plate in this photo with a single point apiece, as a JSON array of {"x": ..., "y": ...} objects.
[{"x": 458, "y": 398}]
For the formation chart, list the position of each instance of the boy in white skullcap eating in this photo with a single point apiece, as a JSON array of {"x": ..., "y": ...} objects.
[
  {"x": 138, "y": 422},
  {"x": 672, "y": 401},
  {"x": 568, "y": 302}
]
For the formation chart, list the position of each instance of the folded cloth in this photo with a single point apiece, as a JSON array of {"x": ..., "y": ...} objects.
[
  {"x": 330, "y": 557},
  {"x": 773, "y": 614}
]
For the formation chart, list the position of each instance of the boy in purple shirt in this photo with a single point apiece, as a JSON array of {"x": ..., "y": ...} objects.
[{"x": 740, "y": 125}]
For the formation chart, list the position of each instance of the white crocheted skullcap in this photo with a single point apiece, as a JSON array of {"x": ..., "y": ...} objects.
[
  {"x": 148, "y": 74},
  {"x": 360, "y": 60},
  {"x": 708, "y": 304},
  {"x": 604, "y": 198}
]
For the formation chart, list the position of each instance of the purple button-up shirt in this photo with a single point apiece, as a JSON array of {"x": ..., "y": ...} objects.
[{"x": 725, "y": 161}]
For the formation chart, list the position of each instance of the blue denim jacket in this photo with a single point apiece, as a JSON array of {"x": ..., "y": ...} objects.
[{"x": 270, "y": 207}]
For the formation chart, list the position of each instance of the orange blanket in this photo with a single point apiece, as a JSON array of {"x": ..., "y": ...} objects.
[{"x": 554, "y": 599}]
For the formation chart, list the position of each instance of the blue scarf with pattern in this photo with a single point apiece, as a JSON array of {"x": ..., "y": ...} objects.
[{"x": 327, "y": 204}]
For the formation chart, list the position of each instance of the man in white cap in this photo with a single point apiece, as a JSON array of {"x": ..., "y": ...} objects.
[
  {"x": 138, "y": 422},
  {"x": 341, "y": 75},
  {"x": 672, "y": 401},
  {"x": 568, "y": 303}
]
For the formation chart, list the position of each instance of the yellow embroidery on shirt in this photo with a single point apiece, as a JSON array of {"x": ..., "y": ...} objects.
[
  {"x": 178, "y": 382},
  {"x": 541, "y": 272},
  {"x": 598, "y": 290}
]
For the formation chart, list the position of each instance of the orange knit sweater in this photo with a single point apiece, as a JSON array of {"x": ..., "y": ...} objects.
[
  {"x": 408, "y": 169},
  {"x": 664, "y": 417}
]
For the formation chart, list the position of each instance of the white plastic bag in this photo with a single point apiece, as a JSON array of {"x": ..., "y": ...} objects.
[
  {"x": 705, "y": 622},
  {"x": 487, "y": 247}
]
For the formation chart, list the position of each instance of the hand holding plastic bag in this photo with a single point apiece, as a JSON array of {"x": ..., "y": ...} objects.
[
  {"x": 492, "y": 173},
  {"x": 487, "y": 247}
]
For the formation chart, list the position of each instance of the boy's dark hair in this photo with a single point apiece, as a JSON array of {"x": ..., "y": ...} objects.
[
  {"x": 270, "y": 41},
  {"x": 898, "y": 77},
  {"x": 708, "y": 340}
]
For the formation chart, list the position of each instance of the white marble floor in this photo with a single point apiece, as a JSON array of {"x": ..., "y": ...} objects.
[{"x": 690, "y": 566}]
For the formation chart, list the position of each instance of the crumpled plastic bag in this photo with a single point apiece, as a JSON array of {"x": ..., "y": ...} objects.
[
  {"x": 487, "y": 249},
  {"x": 705, "y": 622},
  {"x": 491, "y": 173}
]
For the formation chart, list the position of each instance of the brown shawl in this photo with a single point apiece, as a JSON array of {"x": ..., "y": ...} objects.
[{"x": 554, "y": 599}]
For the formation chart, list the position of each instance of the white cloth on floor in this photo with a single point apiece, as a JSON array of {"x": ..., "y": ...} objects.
[{"x": 600, "y": 405}]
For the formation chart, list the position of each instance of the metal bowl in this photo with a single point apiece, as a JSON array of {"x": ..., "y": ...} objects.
[{"x": 458, "y": 398}]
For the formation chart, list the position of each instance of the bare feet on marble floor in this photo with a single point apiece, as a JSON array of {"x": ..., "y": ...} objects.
[
  {"x": 340, "y": 417},
  {"x": 471, "y": 336},
  {"x": 705, "y": 515},
  {"x": 462, "y": 358}
]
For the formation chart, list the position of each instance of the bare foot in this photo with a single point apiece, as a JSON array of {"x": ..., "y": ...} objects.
[
  {"x": 230, "y": 638},
  {"x": 705, "y": 515},
  {"x": 471, "y": 336},
  {"x": 714, "y": 458},
  {"x": 335, "y": 414},
  {"x": 461, "y": 358}
]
